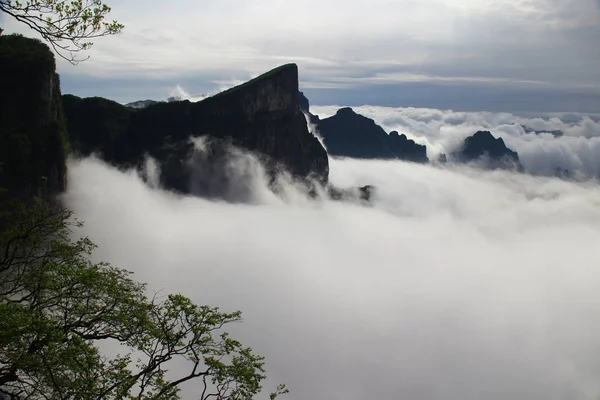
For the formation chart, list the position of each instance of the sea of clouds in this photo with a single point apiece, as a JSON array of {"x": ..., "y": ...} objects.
[
  {"x": 451, "y": 284},
  {"x": 443, "y": 131}
]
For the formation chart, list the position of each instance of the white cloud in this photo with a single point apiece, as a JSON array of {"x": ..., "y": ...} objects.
[
  {"x": 453, "y": 284},
  {"x": 180, "y": 93},
  {"x": 443, "y": 131},
  {"x": 387, "y": 78}
]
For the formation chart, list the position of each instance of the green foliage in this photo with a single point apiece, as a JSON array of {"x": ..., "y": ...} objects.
[
  {"x": 68, "y": 25},
  {"x": 57, "y": 307}
]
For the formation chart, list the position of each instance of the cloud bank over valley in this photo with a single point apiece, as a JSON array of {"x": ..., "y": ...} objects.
[
  {"x": 443, "y": 131},
  {"x": 451, "y": 284}
]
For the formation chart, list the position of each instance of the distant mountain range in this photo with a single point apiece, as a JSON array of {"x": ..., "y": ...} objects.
[
  {"x": 141, "y": 103},
  {"x": 148, "y": 103},
  {"x": 349, "y": 134},
  {"x": 266, "y": 116},
  {"x": 262, "y": 116},
  {"x": 555, "y": 133}
]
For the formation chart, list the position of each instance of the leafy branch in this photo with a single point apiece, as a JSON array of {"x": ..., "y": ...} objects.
[
  {"x": 57, "y": 307},
  {"x": 68, "y": 25}
]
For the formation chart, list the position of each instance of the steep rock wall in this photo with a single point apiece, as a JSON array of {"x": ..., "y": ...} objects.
[
  {"x": 33, "y": 141},
  {"x": 262, "y": 115}
]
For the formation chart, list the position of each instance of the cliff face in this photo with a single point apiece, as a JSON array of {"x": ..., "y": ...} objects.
[
  {"x": 33, "y": 142},
  {"x": 262, "y": 115},
  {"x": 303, "y": 102},
  {"x": 305, "y": 108},
  {"x": 350, "y": 134}
]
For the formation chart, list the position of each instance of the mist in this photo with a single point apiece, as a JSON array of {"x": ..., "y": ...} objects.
[{"x": 451, "y": 284}]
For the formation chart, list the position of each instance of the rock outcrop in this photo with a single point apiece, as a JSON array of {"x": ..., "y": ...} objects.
[
  {"x": 33, "y": 141},
  {"x": 407, "y": 149},
  {"x": 490, "y": 152},
  {"x": 349, "y": 134},
  {"x": 262, "y": 116},
  {"x": 303, "y": 103},
  {"x": 362, "y": 193},
  {"x": 305, "y": 108}
]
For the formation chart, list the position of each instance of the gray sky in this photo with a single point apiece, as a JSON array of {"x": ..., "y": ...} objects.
[{"x": 510, "y": 55}]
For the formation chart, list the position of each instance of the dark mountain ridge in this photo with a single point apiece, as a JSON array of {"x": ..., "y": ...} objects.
[
  {"x": 491, "y": 152},
  {"x": 262, "y": 115},
  {"x": 265, "y": 116},
  {"x": 348, "y": 134}
]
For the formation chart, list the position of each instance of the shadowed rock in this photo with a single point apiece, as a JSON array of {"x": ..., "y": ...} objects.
[
  {"x": 33, "y": 139},
  {"x": 489, "y": 151},
  {"x": 305, "y": 107},
  {"x": 362, "y": 193},
  {"x": 349, "y": 134},
  {"x": 262, "y": 116}
]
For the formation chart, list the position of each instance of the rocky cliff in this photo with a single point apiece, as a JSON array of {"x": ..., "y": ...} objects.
[
  {"x": 33, "y": 141},
  {"x": 262, "y": 115},
  {"x": 488, "y": 151},
  {"x": 305, "y": 108},
  {"x": 303, "y": 103},
  {"x": 349, "y": 134}
]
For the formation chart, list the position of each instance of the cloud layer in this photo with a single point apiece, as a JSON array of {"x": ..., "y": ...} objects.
[
  {"x": 443, "y": 131},
  {"x": 452, "y": 284}
]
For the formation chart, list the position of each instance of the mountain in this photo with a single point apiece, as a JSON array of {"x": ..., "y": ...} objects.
[
  {"x": 33, "y": 139},
  {"x": 262, "y": 116},
  {"x": 490, "y": 152},
  {"x": 349, "y": 134},
  {"x": 555, "y": 133},
  {"x": 99, "y": 125},
  {"x": 141, "y": 103}
]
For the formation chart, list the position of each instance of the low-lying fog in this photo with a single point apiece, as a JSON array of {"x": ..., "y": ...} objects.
[{"x": 452, "y": 284}]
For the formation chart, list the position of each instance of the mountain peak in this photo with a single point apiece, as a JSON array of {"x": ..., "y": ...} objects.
[
  {"x": 349, "y": 134},
  {"x": 483, "y": 145},
  {"x": 346, "y": 111}
]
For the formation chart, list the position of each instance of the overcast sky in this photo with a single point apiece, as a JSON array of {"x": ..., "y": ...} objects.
[{"x": 509, "y": 55}]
